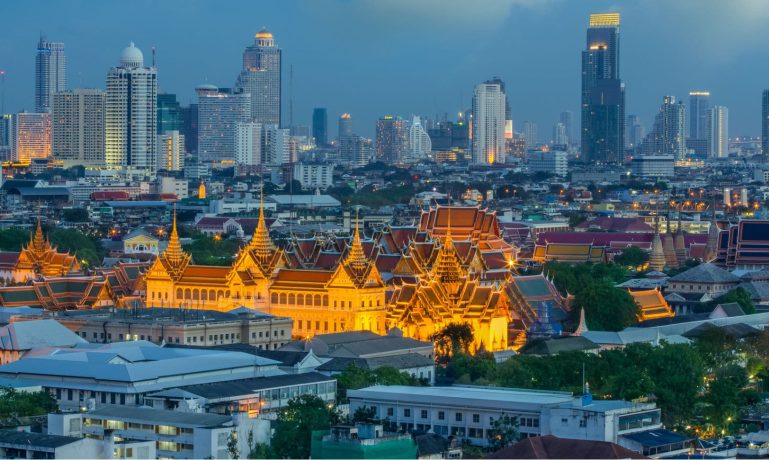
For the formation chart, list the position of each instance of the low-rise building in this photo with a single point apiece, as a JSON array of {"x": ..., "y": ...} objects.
[
  {"x": 553, "y": 161},
  {"x": 363, "y": 440},
  {"x": 23, "y": 444},
  {"x": 18, "y": 338},
  {"x": 653, "y": 166},
  {"x": 313, "y": 175}
]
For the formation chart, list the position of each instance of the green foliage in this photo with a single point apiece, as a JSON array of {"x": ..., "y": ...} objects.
[
  {"x": 206, "y": 250},
  {"x": 295, "y": 424},
  {"x": 452, "y": 339},
  {"x": 261, "y": 451},
  {"x": 503, "y": 432},
  {"x": 76, "y": 215},
  {"x": 740, "y": 296},
  {"x": 22, "y": 404},
  {"x": 354, "y": 377},
  {"x": 13, "y": 239},
  {"x": 476, "y": 369},
  {"x": 232, "y": 444},
  {"x": 632, "y": 256},
  {"x": 576, "y": 219},
  {"x": 87, "y": 248},
  {"x": 364, "y": 414}
]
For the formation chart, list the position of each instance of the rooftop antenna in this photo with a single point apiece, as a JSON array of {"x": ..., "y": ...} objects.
[
  {"x": 2, "y": 91},
  {"x": 153, "y": 56},
  {"x": 291, "y": 96}
]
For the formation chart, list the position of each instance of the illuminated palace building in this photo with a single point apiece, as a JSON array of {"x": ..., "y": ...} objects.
[{"x": 452, "y": 267}]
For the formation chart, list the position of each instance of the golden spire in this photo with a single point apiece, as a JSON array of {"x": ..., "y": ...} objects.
[
  {"x": 449, "y": 241},
  {"x": 357, "y": 258},
  {"x": 173, "y": 252},
  {"x": 38, "y": 242},
  {"x": 447, "y": 266},
  {"x": 261, "y": 244}
]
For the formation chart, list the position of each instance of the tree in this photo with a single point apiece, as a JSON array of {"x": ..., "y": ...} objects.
[
  {"x": 678, "y": 373},
  {"x": 632, "y": 256},
  {"x": 232, "y": 444},
  {"x": 296, "y": 422},
  {"x": 76, "y": 215},
  {"x": 606, "y": 307},
  {"x": 21, "y": 404},
  {"x": 13, "y": 239},
  {"x": 261, "y": 451},
  {"x": 473, "y": 368},
  {"x": 364, "y": 414},
  {"x": 576, "y": 218},
  {"x": 740, "y": 296},
  {"x": 352, "y": 378},
  {"x": 87, "y": 248},
  {"x": 453, "y": 338},
  {"x": 503, "y": 432}
]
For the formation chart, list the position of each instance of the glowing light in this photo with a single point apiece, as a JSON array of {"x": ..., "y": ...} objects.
[{"x": 605, "y": 19}]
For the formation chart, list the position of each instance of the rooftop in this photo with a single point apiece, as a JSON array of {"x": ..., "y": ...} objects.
[
  {"x": 26, "y": 438},
  {"x": 705, "y": 273},
  {"x": 160, "y": 417}
]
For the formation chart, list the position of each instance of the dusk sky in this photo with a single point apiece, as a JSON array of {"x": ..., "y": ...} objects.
[{"x": 405, "y": 57}]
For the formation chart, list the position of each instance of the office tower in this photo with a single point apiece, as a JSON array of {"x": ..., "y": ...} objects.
[
  {"x": 170, "y": 116},
  {"x": 718, "y": 132},
  {"x": 559, "y": 134},
  {"x": 419, "y": 142},
  {"x": 603, "y": 93},
  {"x": 131, "y": 113},
  {"x": 320, "y": 126},
  {"x": 567, "y": 118},
  {"x": 488, "y": 124},
  {"x": 276, "y": 148},
  {"x": 5, "y": 129},
  {"x": 765, "y": 125},
  {"x": 77, "y": 119},
  {"x": 171, "y": 151},
  {"x": 189, "y": 116},
  {"x": 260, "y": 77},
  {"x": 345, "y": 125},
  {"x": 634, "y": 132},
  {"x": 355, "y": 150},
  {"x": 391, "y": 139},
  {"x": 50, "y": 73},
  {"x": 248, "y": 143},
  {"x": 699, "y": 104},
  {"x": 218, "y": 113},
  {"x": 667, "y": 134},
  {"x": 530, "y": 134},
  {"x": 30, "y": 136}
]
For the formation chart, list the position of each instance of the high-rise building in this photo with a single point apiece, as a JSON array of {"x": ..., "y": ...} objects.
[
  {"x": 530, "y": 134},
  {"x": 419, "y": 142},
  {"x": 355, "y": 150},
  {"x": 131, "y": 113},
  {"x": 77, "y": 119},
  {"x": 345, "y": 125},
  {"x": 5, "y": 129},
  {"x": 171, "y": 151},
  {"x": 260, "y": 77},
  {"x": 718, "y": 132},
  {"x": 276, "y": 148},
  {"x": 699, "y": 104},
  {"x": 218, "y": 113},
  {"x": 170, "y": 116},
  {"x": 765, "y": 125},
  {"x": 190, "y": 127},
  {"x": 634, "y": 132},
  {"x": 667, "y": 135},
  {"x": 30, "y": 136},
  {"x": 248, "y": 143},
  {"x": 603, "y": 93},
  {"x": 559, "y": 134},
  {"x": 320, "y": 126},
  {"x": 567, "y": 118},
  {"x": 391, "y": 139},
  {"x": 50, "y": 73},
  {"x": 488, "y": 124}
]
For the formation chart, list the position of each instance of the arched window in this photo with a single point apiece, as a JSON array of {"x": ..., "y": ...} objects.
[
  {"x": 187, "y": 294},
  {"x": 317, "y": 300},
  {"x": 195, "y": 294},
  {"x": 300, "y": 299},
  {"x": 274, "y": 297},
  {"x": 325, "y": 301},
  {"x": 283, "y": 298},
  {"x": 211, "y": 294},
  {"x": 204, "y": 295},
  {"x": 179, "y": 294},
  {"x": 291, "y": 299}
]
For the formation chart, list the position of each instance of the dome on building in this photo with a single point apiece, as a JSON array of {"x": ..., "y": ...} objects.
[
  {"x": 206, "y": 88},
  {"x": 264, "y": 33},
  {"x": 132, "y": 56}
]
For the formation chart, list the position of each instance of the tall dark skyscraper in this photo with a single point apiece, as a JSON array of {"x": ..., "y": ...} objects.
[
  {"x": 765, "y": 125},
  {"x": 320, "y": 126},
  {"x": 699, "y": 104},
  {"x": 50, "y": 73},
  {"x": 603, "y": 93},
  {"x": 261, "y": 77},
  {"x": 345, "y": 126},
  {"x": 169, "y": 113}
]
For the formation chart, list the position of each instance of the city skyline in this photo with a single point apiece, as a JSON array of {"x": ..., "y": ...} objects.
[{"x": 387, "y": 81}]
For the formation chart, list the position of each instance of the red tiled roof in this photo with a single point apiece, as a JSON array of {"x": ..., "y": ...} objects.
[
  {"x": 549, "y": 446},
  {"x": 118, "y": 195}
]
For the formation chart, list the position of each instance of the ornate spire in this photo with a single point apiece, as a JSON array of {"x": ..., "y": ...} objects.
[
  {"x": 173, "y": 252},
  {"x": 657, "y": 258},
  {"x": 447, "y": 267},
  {"x": 261, "y": 244},
  {"x": 582, "y": 326},
  {"x": 356, "y": 259},
  {"x": 38, "y": 242}
]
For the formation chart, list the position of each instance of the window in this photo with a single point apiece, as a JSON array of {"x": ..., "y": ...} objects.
[
  {"x": 583, "y": 423},
  {"x": 458, "y": 416},
  {"x": 423, "y": 414},
  {"x": 390, "y": 411},
  {"x": 476, "y": 418},
  {"x": 564, "y": 421},
  {"x": 407, "y": 412},
  {"x": 441, "y": 415}
]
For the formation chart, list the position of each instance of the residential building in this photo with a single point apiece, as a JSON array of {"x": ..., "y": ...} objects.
[
  {"x": 567, "y": 120},
  {"x": 355, "y": 150},
  {"x": 314, "y": 176},
  {"x": 172, "y": 186},
  {"x": 667, "y": 134},
  {"x": 276, "y": 145},
  {"x": 320, "y": 126},
  {"x": 653, "y": 166},
  {"x": 419, "y": 142},
  {"x": 550, "y": 161},
  {"x": 468, "y": 412},
  {"x": 248, "y": 143},
  {"x": 718, "y": 132},
  {"x": 77, "y": 119},
  {"x": 171, "y": 151},
  {"x": 219, "y": 112},
  {"x": 50, "y": 73},
  {"x": 392, "y": 139},
  {"x": 530, "y": 134},
  {"x": 559, "y": 135},
  {"x": 130, "y": 127},
  {"x": 699, "y": 105},
  {"x": 30, "y": 136},
  {"x": 25, "y": 444},
  {"x": 488, "y": 124},
  {"x": 603, "y": 93},
  {"x": 261, "y": 78}
]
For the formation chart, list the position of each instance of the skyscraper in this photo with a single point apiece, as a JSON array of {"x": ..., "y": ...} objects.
[
  {"x": 78, "y": 126},
  {"x": 276, "y": 145},
  {"x": 248, "y": 143},
  {"x": 699, "y": 104},
  {"x": 131, "y": 113},
  {"x": 634, "y": 132},
  {"x": 355, "y": 150},
  {"x": 169, "y": 113},
  {"x": 419, "y": 142},
  {"x": 260, "y": 77},
  {"x": 345, "y": 125},
  {"x": 603, "y": 93},
  {"x": 718, "y": 132},
  {"x": 50, "y": 73},
  {"x": 320, "y": 126},
  {"x": 765, "y": 125},
  {"x": 567, "y": 118},
  {"x": 667, "y": 135},
  {"x": 530, "y": 134},
  {"x": 559, "y": 134},
  {"x": 488, "y": 124},
  {"x": 171, "y": 151},
  {"x": 30, "y": 136},
  {"x": 391, "y": 139},
  {"x": 218, "y": 113}
]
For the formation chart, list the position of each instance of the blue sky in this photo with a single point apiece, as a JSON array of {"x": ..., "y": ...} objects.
[{"x": 404, "y": 57}]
